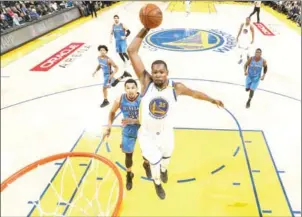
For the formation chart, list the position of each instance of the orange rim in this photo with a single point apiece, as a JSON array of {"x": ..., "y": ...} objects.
[{"x": 55, "y": 157}]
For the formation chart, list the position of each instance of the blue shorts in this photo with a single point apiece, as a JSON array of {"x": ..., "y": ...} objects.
[
  {"x": 121, "y": 46},
  {"x": 252, "y": 82},
  {"x": 107, "y": 83},
  {"x": 128, "y": 144}
]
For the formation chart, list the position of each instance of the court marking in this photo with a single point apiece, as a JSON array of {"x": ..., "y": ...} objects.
[
  {"x": 278, "y": 175},
  {"x": 230, "y": 130},
  {"x": 100, "y": 84},
  {"x": 240, "y": 131},
  {"x": 218, "y": 169},
  {"x": 247, "y": 160}
]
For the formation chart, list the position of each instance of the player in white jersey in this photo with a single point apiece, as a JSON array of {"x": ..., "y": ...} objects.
[
  {"x": 156, "y": 136},
  {"x": 245, "y": 38}
]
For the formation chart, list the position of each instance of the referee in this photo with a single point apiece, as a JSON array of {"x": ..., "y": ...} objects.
[{"x": 256, "y": 9}]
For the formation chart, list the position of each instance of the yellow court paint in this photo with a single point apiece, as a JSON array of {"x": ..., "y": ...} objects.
[
  {"x": 269, "y": 190},
  {"x": 67, "y": 179},
  {"x": 214, "y": 161},
  {"x": 195, "y": 6},
  {"x": 19, "y": 52}
]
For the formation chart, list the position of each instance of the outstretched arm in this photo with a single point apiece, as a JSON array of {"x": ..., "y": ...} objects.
[
  {"x": 181, "y": 89},
  {"x": 112, "y": 112},
  {"x": 136, "y": 61},
  {"x": 97, "y": 69}
]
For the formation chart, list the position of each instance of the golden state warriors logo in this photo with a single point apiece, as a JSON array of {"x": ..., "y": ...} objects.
[
  {"x": 158, "y": 108},
  {"x": 188, "y": 40}
]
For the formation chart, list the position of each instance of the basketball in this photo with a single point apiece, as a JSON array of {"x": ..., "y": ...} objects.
[{"x": 151, "y": 16}]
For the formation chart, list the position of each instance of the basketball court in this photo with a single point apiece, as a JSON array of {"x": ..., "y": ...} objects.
[{"x": 227, "y": 162}]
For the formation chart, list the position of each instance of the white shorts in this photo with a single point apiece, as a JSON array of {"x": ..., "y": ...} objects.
[
  {"x": 244, "y": 44},
  {"x": 155, "y": 146}
]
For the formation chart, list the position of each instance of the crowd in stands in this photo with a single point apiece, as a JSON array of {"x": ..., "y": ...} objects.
[
  {"x": 291, "y": 8},
  {"x": 18, "y": 13}
]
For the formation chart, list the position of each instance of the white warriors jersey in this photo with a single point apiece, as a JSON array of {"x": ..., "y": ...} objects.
[
  {"x": 245, "y": 32},
  {"x": 156, "y": 108}
]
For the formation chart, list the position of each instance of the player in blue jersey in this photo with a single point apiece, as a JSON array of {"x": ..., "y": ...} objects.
[
  {"x": 252, "y": 70},
  {"x": 120, "y": 32},
  {"x": 128, "y": 103},
  {"x": 106, "y": 64}
]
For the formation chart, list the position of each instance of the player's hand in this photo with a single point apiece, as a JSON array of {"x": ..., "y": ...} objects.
[
  {"x": 107, "y": 131},
  {"x": 127, "y": 121},
  {"x": 245, "y": 73},
  {"x": 262, "y": 77},
  {"x": 123, "y": 37},
  {"x": 218, "y": 103}
]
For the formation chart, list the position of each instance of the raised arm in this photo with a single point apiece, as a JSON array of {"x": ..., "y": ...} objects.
[
  {"x": 137, "y": 63},
  {"x": 181, "y": 89}
]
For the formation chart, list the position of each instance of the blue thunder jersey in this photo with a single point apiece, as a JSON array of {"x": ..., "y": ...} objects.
[
  {"x": 255, "y": 67},
  {"x": 105, "y": 65},
  {"x": 118, "y": 31},
  {"x": 130, "y": 109}
]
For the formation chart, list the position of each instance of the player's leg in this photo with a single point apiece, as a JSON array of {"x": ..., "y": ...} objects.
[
  {"x": 254, "y": 85},
  {"x": 258, "y": 15},
  {"x": 117, "y": 80},
  {"x": 124, "y": 49},
  {"x": 151, "y": 152},
  {"x": 118, "y": 49},
  {"x": 248, "y": 83},
  {"x": 106, "y": 85},
  {"x": 167, "y": 149},
  {"x": 254, "y": 11},
  {"x": 128, "y": 144}
]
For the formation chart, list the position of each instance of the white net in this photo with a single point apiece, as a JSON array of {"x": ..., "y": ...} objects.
[{"x": 81, "y": 186}]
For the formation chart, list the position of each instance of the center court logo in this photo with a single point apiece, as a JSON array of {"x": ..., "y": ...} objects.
[
  {"x": 158, "y": 108},
  {"x": 190, "y": 40}
]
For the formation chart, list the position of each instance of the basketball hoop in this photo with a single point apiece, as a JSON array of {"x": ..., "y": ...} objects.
[{"x": 96, "y": 191}]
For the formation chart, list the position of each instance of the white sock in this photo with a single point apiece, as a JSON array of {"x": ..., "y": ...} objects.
[{"x": 155, "y": 170}]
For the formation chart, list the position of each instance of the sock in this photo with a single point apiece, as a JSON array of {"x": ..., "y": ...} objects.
[
  {"x": 155, "y": 170},
  {"x": 164, "y": 164}
]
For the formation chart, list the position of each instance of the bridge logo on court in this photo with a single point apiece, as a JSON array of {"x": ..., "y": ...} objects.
[{"x": 190, "y": 40}]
